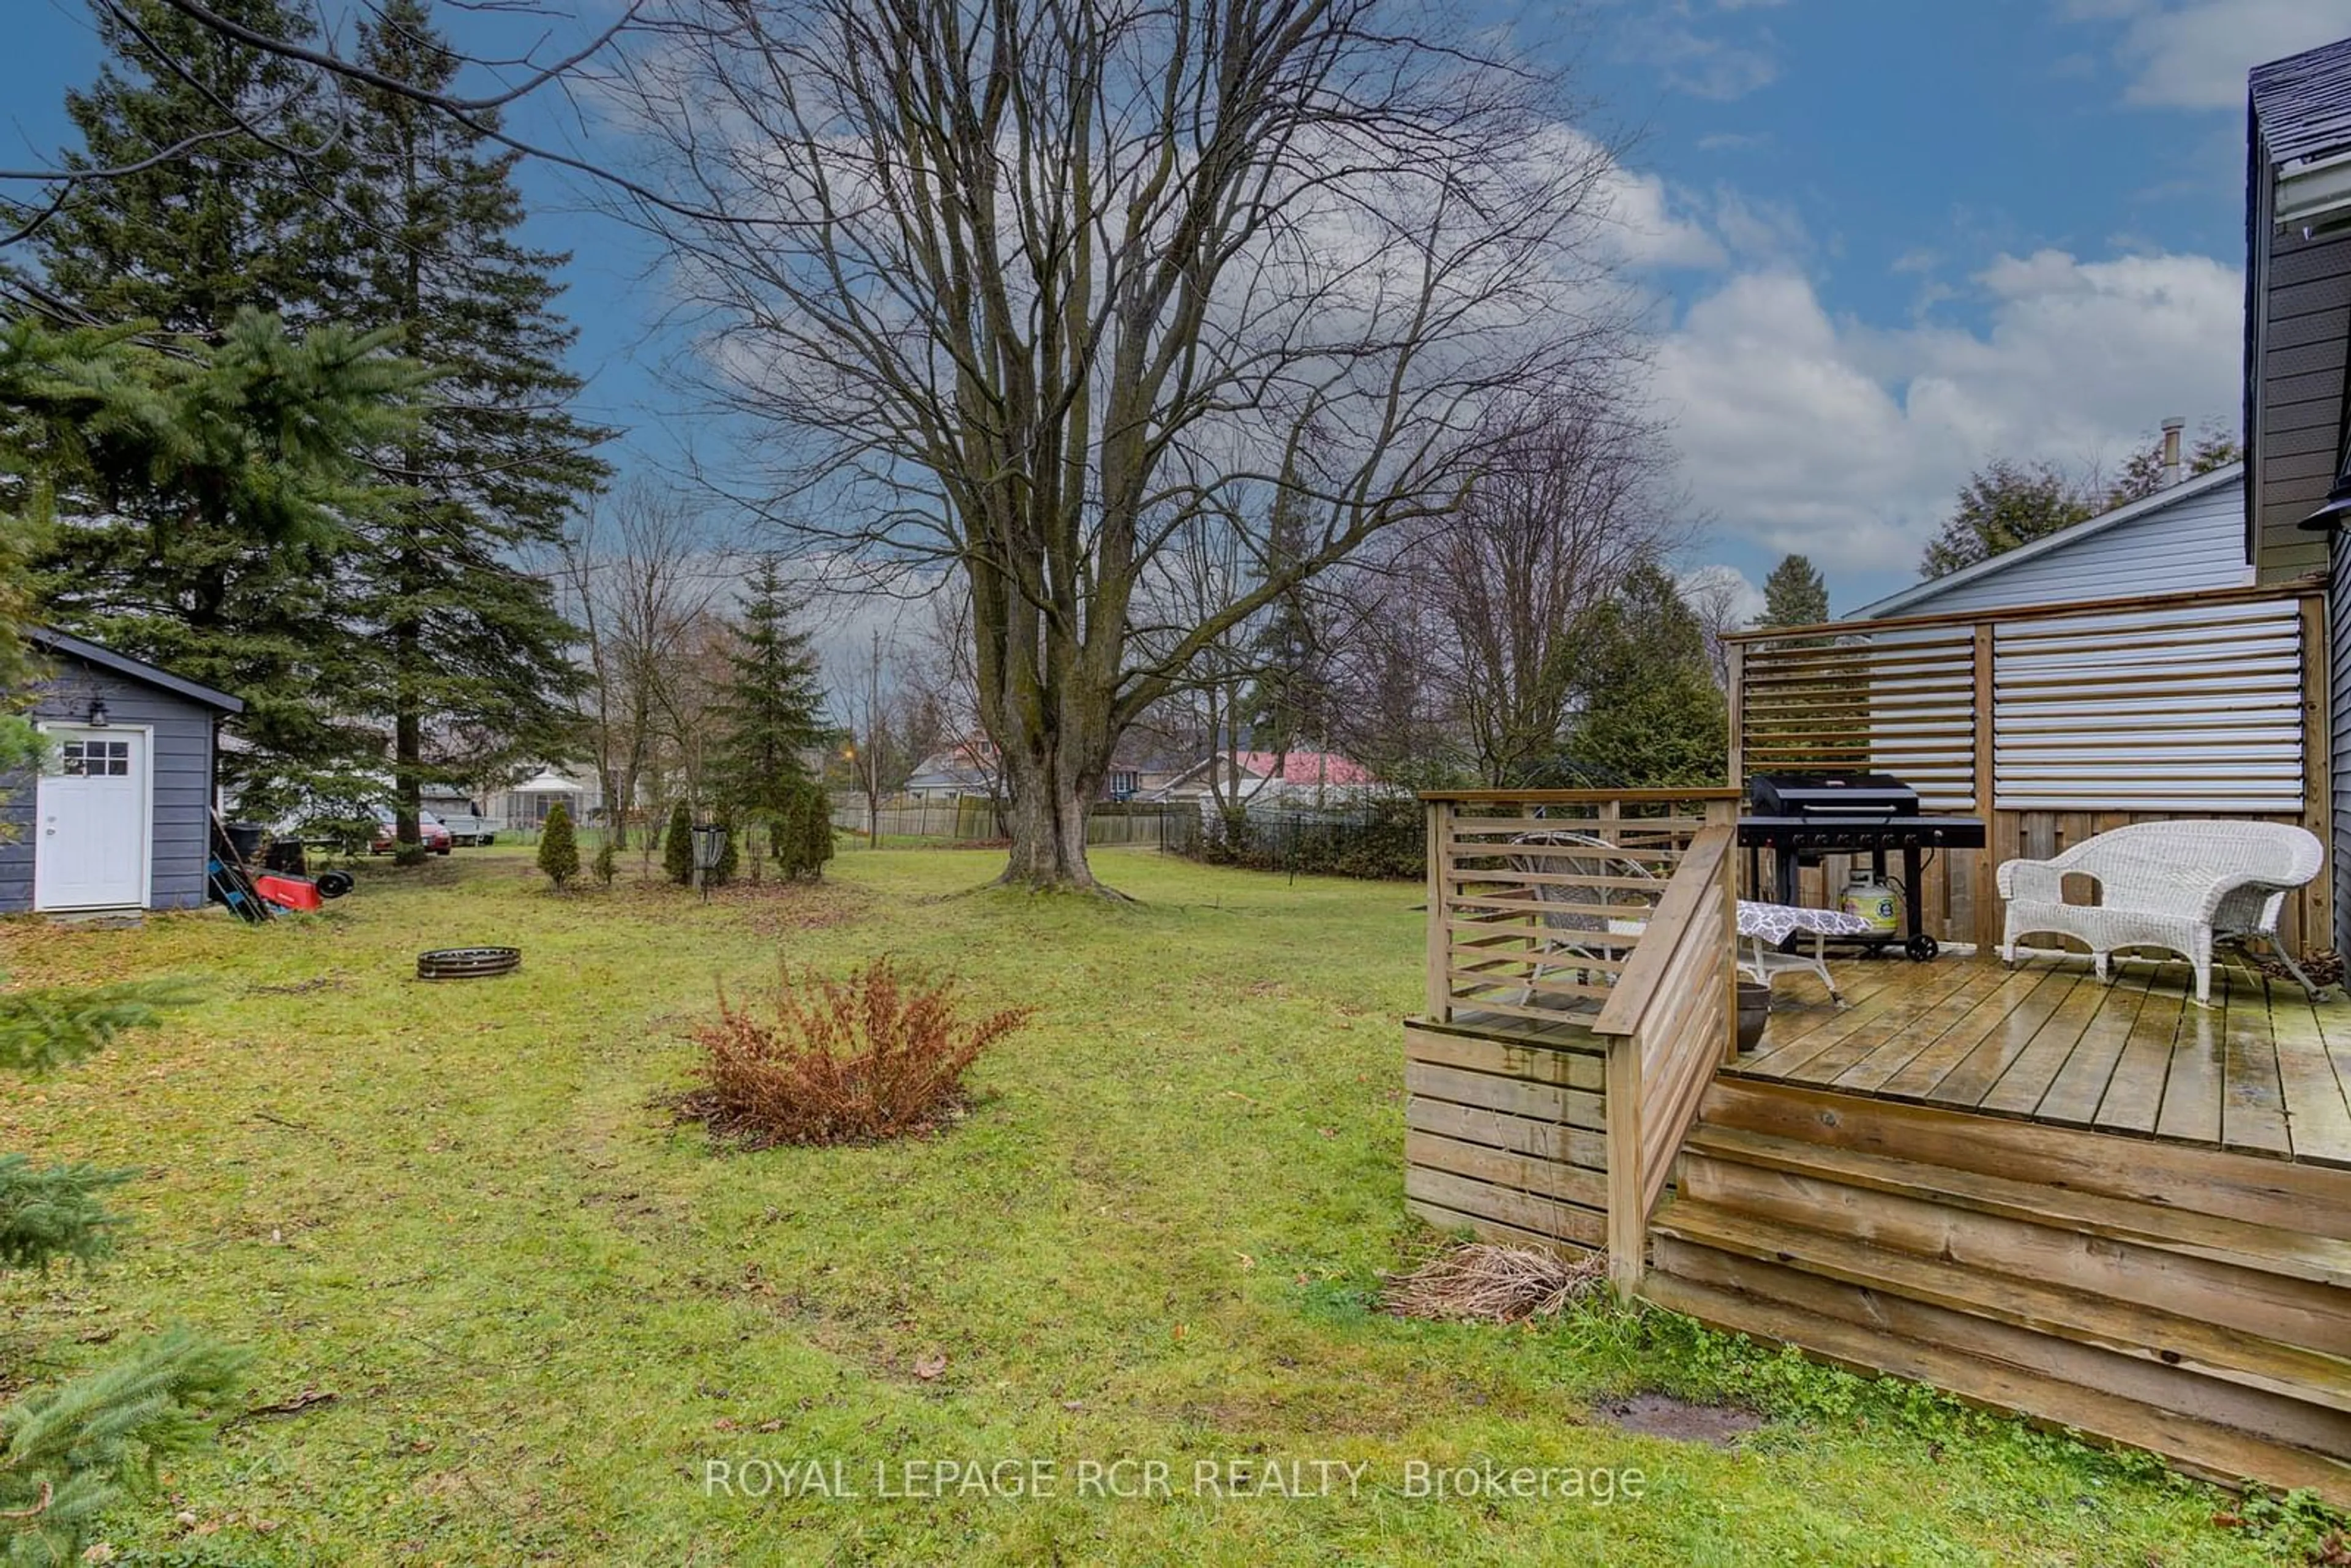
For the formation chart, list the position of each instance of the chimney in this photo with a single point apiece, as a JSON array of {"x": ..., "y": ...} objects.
[{"x": 2175, "y": 467}]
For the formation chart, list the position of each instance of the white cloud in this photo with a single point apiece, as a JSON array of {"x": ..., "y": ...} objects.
[
  {"x": 1739, "y": 598},
  {"x": 1647, "y": 225},
  {"x": 1702, "y": 65},
  {"x": 1804, "y": 432},
  {"x": 2194, "y": 54}
]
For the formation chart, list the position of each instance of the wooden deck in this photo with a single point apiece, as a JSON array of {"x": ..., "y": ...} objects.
[{"x": 2260, "y": 1072}]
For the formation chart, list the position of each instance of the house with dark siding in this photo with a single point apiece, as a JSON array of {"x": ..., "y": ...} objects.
[
  {"x": 2297, "y": 348},
  {"x": 120, "y": 817}
]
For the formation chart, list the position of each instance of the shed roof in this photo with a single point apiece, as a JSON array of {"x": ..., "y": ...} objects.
[
  {"x": 125, "y": 666},
  {"x": 2302, "y": 104},
  {"x": 1901, "y": 603}
]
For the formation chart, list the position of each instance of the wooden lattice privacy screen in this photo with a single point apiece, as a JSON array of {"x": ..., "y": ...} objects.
[{"x": 2055, "y": 722}]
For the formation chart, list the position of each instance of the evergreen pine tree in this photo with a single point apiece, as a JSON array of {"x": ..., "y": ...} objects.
[
  {"x": 226, "y": 223},
  {"x": 1288, "y": 705},
  {"x": 212, "y": 487},
  {"x": 477, "y": 669},
  {"x": 69, "y": 1453},
  {"x": 771, "y": 709},
  {"x": 1650, "y": 714},
  {"x": 608, "y": 863},
  {"x": 230, "y": 229},
  {"x": 70, "y": 406},
  {"x": 559, "y": 849},
  {"x": 677, "y": 845},
  {"x": 788, "y": 835},
  {"x": 2004, "y": 505},
  {"x": 1795, "y": 594}
]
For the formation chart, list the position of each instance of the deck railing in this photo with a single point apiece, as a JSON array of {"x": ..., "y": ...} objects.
[
  {"x": 1610, "y": 914},
  {"x": 1668, "y": 1024},
  {"x": 2053, "y": 723},
  {"x": 1537, "y": 898}
]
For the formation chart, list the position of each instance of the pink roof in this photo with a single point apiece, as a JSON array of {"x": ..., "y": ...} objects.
[{"x": 1306, "y": 767}]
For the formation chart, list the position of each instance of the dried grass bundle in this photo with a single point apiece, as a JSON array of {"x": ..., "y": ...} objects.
[
  {"x": 1479, "y": 1282},
  {"x": 878, "y": 1055}
]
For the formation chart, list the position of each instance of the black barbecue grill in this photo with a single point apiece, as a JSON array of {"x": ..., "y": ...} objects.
[{"x": 1801, "y": 817}]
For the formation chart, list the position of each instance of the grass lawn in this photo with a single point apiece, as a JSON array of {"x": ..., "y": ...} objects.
[{"x": 543, "y": 1310}]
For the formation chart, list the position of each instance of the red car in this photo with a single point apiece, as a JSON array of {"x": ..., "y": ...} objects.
[{"x": 429, "y": 830}]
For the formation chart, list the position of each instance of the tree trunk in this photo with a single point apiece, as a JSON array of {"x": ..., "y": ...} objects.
[
  {"x": 1052, "y": 798},
  {"x": 407, "y": 738}
]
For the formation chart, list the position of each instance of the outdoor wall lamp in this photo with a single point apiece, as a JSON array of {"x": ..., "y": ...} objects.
[
  {"x": 98, "y": 713},
  {"x": 2334, "y": 512}
]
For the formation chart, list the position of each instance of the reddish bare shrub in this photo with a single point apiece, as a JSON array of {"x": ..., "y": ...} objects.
[{"x": 878, "y": 1055}]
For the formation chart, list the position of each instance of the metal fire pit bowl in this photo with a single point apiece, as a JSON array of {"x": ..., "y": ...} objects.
[{"x": 467, "y": 963}]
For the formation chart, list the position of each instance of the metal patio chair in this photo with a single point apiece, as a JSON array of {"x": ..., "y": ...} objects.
[{"x": 1559, "y": 947}]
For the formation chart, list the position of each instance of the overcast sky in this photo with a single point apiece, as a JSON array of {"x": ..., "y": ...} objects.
[{"x": 1883, "y": 241}]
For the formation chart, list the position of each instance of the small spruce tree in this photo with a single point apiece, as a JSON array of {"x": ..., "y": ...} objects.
[
  {"x": 815, "y": 830},
  {"x": 558, "y": 848},
  {"x": 608, "y": 865},
  {"x": 788, "y": 832},
  {"x": 771, "y": 705},
  {"x": 677, "y": 846}
]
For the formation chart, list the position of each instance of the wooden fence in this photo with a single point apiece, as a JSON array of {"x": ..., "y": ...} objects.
[
  {"x": 2053, "y": 723},
  {"x": 1580, "y": 992},
  {"x": 976, "y": 820}
]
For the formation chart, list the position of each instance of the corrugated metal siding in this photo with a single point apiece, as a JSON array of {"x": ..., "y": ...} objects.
[
  {"x": 2307, "y": 320},
  {"x": 184, "y": 784},
  {"x": 2196, "y": 544}
]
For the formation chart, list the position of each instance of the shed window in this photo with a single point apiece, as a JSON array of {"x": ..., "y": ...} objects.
[{"x": 97, "y": 759}]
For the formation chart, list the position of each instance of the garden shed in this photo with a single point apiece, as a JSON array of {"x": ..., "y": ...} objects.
[{"x": 120, "y": 816}]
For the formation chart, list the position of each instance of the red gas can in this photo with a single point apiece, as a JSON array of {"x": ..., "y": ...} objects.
[{"x": 288, "y": 892}]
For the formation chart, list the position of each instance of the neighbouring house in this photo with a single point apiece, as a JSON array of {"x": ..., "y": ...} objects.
[
  {"x": 121, "y": 815},
  {"x": 2297, "y": 348},
  {"x": 526, "y": 805},
  {"x": 951, "y": 775},
  {"x": 968, "y": 770},
  {"x": 1246, "y": 773},
  {"x": 2188, "y": 535},
  {"x": 1142, "y": 771}
]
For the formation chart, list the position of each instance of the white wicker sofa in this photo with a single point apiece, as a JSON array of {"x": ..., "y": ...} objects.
[{"x": 2179, "y": 886}]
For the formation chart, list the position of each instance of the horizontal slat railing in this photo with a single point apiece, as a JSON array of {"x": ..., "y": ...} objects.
[
  {"x": 1668, "y": 1026},
  {"x": 1611, "y": 911},
  {"x": 1537, "y": 897}
]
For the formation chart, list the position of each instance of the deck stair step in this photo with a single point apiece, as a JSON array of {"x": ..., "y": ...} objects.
[
  {"x": 2124, "y": 1328},
  {"x": 2197, "y": 1302},
  {"x": 2165, "y": 1176},
  {"x": 2241, "y": 1243},
  {"x": 1855, "y": 1328}
]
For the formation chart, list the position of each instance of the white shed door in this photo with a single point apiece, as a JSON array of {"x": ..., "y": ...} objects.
[{"x": 90, "y": 851}]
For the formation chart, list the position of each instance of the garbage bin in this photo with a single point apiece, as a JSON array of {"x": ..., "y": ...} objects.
[{"x": 246, "y": 838}]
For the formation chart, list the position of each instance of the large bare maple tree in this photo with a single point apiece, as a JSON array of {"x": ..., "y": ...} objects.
[{"x": 1020, "y": 289}]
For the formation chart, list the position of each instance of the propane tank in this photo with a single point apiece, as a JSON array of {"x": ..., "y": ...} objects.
[{"x": 1874, "y": 903}]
